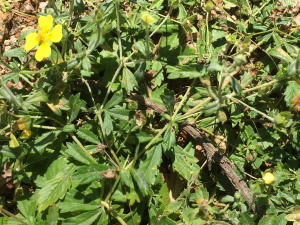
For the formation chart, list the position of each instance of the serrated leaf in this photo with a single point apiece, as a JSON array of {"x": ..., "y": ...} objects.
[
  {"x": 86, "y": 218},
  {"x": 76, "y": 153},
  {"x": 290, "y": 92},
  {"x": 140, "y": 46},
  {"x": 52, "y": 217},
  {"x": 159, "y": 75},
  {"x": 75, "y": 105},
  {"x": 88, "y": 174},
  {"x": 126, "y": 178},
  {"x": 119, "y": 113},
  {"x": 88, "y": 136},
  {"x": 188, "y": 71},
  {"x": 149, "y": 166},
  {"x": 55, "y": 188},
  {"x": 128, "y": 80},
  {"x": 168, "y": 100},
  {"x": 76, "y": 201},
  {"x": 115, "y": 100},
  {"x": 16, "y": 52},
  {"x": 141, "y": 181},
  {"x": 28, "y": 209}
]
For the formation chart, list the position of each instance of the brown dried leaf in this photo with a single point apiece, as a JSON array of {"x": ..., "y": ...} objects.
[{"x": 296, "y": 102}]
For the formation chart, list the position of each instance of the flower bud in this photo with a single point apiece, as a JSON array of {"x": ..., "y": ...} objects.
[
  {"x": 208, "y": 6},
  {"x": 240, "y": 59},
  {"x": 132, "y": 105}
]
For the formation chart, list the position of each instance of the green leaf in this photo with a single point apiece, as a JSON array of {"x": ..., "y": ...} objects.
[
  {"x": 277, "y": 39},
  {"x": 39, "y": 96},
  {"x": 69, "y": 128},
  {"x": 290, "y": 92},
  {"x": 246, "y": 219},
  {"x": 126, "y": 178},
  {"x": 168, "y": 100},
  {"x": 52, "y": 217},
  {"x": 169, "y": 137},
  {"x": 78, "y": 6},
  {"x": 141, "y": 181},
  {"x": 188, "y": 71},
  {"x": 211, "y": 108},
  {"x": 76, "y": 153},
  {"x": 75, "y": 105},
  {"x": 23, "y": 35},
  {"x": 76, "y": 201},
  {"x": 86, "y": 218},
  {"x": 236, "y": 86},
  {"x": 107, "y": 123},
  {"x": 140, "y": 72},
  {"x": 16, "y": 52},
  {"x": 115, "y": 100},
  {"x": 180, "y": 54},
  {"x": 55, "y": 188},
  {"x": 88, "y": 174},
  {"x": 28, "y": 209},
  {"x": 128, "y": 80},
  {"x": 156, "y": 4},
  {"x": 119, "y": 113},
  {"x": 149, "y": 165},
  {"x": 88, "y": 136},
  {"x": 139, "y": 45},
  {"x": 293, "y": 68},
  {"x": 86, "y": 64},
  {"x": 14, "y": 153},
  {"x": 280, "y": 54},
  {"x": 159, "y": 75}
]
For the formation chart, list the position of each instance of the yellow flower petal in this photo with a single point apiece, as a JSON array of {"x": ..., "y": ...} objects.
[
  {"x": 31, "y": 41},
  {"x": 56, "y": 34},
  {"x": 45, "y": 23},
  {"x": 268, "y": 178},
  {"x": 43, "y": 51}
]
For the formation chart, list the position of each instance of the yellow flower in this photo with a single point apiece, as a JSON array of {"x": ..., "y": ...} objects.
[
  {"x": 268, "y": 178},
  {"x": 147, "y": 18},
  {"x": 44, "y": 37}
]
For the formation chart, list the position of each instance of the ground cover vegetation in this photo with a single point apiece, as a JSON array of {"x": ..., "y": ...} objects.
[{"x": 150, "y": 112}]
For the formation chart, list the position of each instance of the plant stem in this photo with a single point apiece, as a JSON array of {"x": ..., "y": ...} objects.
[
  {"x": 11, "y": 96},
  {"x": 224, "y": 11},
  {"x": 153, "y": 140},
  {"x": 47, "y": 127},
  {"x": 113, "y": 212},
  {"x": 118, "y": 30},
  {"x": 255, "y": 110},
  {"x": 81, "y": 146},
  {"x": 183, "y": 99},
  {"x": 112, "y": 188},
  {"x": 193, "y": 110},
  {"x": 26, "y": 79},
  {"x": 34, "y": 71},
  {"x": 162, "y": 23},
  {"x": 147, "y": 41},
  {"x": 12, "y": 215},
  {"x": 90, "y": 91}
]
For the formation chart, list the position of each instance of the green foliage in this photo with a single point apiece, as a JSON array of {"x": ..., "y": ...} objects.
[{"x": 94, "y": 133}]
